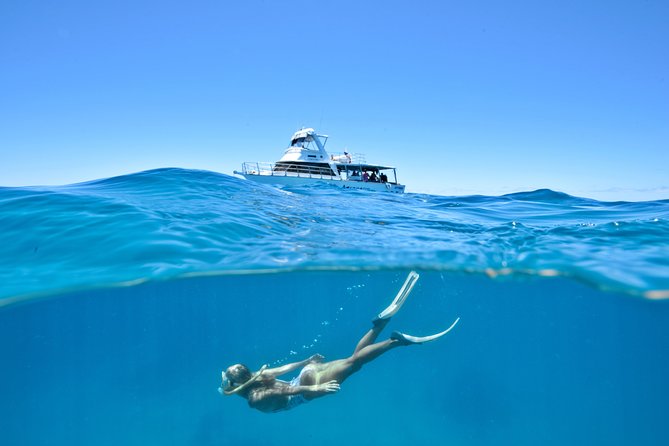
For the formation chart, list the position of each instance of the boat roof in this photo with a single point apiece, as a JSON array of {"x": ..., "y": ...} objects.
[{"x": 303, "y": 133}]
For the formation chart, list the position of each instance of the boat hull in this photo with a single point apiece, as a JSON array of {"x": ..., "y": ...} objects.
[{"x": 301, "y": 180}]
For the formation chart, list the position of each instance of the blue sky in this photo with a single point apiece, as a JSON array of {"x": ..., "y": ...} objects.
[{"x": 473, "y": 97}]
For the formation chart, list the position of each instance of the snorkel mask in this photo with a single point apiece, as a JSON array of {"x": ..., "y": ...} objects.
[
  {"x": 225, "y": 383},
  {"x": 231, "y": 385}
]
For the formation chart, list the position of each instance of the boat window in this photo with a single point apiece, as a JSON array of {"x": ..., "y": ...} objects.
[
  {"x": 303, "y": 142},
  {"x": 297, "y": 142}
]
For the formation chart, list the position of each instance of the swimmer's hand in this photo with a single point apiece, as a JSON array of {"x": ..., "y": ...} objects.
[
  {"x": 329, "y": 387},
  {"x": 316, "y": 358}
]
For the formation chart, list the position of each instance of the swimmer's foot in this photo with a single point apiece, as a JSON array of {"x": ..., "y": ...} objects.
[
  {"x": 397, "y": 303},
  {"x": 406, "y": 339}
]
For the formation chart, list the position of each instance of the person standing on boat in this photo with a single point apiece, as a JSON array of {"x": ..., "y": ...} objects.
[
  {"x": 365, "y": 176},
  {"x": 266, "y": 393}
]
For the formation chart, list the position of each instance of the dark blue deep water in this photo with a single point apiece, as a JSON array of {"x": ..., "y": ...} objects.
[{"x": 121, "y": 300}]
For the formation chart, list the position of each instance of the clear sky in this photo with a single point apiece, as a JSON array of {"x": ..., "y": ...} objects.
[{"x": 464, "y": 97}]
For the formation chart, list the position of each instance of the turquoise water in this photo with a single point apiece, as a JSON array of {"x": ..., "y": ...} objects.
[{"x": 122, "y": 299}]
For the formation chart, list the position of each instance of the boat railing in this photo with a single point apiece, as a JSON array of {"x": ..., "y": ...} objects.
[{"x": 270, "y": 169}]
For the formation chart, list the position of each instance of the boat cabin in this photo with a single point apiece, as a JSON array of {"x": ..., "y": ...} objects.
[{"x": 306, "y": 154}]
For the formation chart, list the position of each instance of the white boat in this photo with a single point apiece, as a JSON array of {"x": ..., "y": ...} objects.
[{"x": 307, "y": 162}]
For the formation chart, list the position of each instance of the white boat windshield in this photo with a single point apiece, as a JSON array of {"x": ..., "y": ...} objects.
[{"x": 304, "y": 142}]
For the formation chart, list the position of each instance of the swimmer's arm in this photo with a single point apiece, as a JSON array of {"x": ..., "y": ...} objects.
[
  {"x": 315, "y": 390},
  {"x": 278, "y": 371},
  {"x": 257, "y": 397}
]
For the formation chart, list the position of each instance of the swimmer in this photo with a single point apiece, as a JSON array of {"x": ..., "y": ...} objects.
[{"x": 266, "y": 393}]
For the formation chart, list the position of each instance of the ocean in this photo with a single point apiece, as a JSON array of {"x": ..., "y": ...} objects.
[{"x": 123, "y": 299}]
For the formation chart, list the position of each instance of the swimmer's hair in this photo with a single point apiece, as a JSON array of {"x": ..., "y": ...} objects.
[{"x": 231, "y": 390}]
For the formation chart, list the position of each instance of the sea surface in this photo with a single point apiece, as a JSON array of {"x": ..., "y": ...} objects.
[{"x": 122, "y": 299}]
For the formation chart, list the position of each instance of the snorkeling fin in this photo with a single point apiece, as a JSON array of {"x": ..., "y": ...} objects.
[
  {"x": 408, "y": 339},
  {"x": 397, "y": 303}
]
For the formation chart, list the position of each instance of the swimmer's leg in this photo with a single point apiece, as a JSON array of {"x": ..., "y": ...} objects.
[
  {"x": 341, "y": 369},
  {"x": 370, "y": 337},
  {"x": 383, "y": 318}
]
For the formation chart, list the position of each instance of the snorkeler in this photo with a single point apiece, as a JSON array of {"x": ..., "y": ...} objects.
[{"x": 317, "y": 378}]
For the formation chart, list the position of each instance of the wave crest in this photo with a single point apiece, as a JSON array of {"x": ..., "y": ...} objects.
[{"x": 168, "y": 223}]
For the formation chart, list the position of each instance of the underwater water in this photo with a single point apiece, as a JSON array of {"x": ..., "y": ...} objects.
[{"x": 121, "y": 300}]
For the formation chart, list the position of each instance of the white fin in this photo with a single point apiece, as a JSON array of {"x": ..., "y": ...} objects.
[
  {"x": 397, "y": 303},
  {"x": 422, "y": 339}
]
